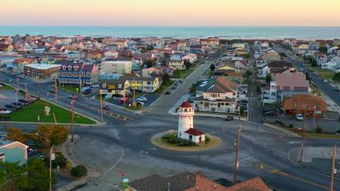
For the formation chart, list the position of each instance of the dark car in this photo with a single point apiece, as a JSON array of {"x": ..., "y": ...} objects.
[
  {"x": 23, "y": 102},
  {"x": 106, "y": 108},
  {"x": 9, "y": 106},
  {"x": 17, "y": 105},
  {"x": 229, "y": 118},
  {"x": 167, "y": 93}
]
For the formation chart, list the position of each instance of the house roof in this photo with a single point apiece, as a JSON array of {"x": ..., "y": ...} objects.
[
  {"x": 254, "y": 184},
  {"x": 222, "y": 85},
  {"x": 195, "y": 132},
  {"x": 305, "y": 102},
  {"x": 186, "y": 104},
  {"x": 291, "y": 79},
  {"x": 187, "y": 181},
  {"x": 280, "y": 64}
]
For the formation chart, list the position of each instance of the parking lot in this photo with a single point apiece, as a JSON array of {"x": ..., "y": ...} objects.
[
  {"x": 150, "y": 98},
  {"x": 8, "y": 97}
]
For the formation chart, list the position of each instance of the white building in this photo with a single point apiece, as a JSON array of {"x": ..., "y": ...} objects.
[
  {"x": 186, "y": 128},
  {"x": 120, "y": 67}
]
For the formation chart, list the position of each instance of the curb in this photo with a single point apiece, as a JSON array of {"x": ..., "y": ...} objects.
[{"x": 282, "y": 130}]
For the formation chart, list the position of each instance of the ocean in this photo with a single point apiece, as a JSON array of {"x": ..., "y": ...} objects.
[{"x": 179, "y": 32}]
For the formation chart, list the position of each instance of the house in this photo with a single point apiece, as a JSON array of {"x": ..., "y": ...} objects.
[
  {"x": 119, "y": 66},
  {"x": 289, "y": 84},
  {"x": 231, "y": 75},
  {"x": 271, "y": 56},
  {"x": 188, "y": 181},
  {"x": 112, "y": 84},
  {"x": 13, "y": 151},
  {"x": 277, "y": 67},
  {"x": 332, "y": 64},
  {"x": 262, "y": 68},
  {"x": 111, "y": 54},
  {"x": 42, "y": 71},
  {"x": 190, "y": 58},
  {"x": 77, "y": 73},
  {"x": 19, "y": 64},
  {"x": 216, "y": 95},
  {"x": 176, "y": 62},
  {"x": 306, "y": 104},
  {"x": 6, "y": 48},
  {"x": 143, "y": 84},
  {"x": 320, "y": 57}
]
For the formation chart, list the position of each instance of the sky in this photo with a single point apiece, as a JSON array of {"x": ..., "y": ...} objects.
[{"x": 170, "y": 12}]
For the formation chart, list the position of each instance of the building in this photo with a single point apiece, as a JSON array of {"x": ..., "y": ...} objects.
[
  {"x": 176, "y": 62},
  {"x": 188, "y": 181},
  {"x": 77, "y": 73},
  {"x": 216, "y": 95},
  {"x": 42, "y": 71},
  {"x": 13, "y": 151},
  {"x": 186, "y": 128},
  {"x": 19, "y": 64},
  {"x": 121, "y": 67},
  {"x": 312, "y": 106}
]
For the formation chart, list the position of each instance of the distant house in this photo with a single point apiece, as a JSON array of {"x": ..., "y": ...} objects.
[
  {"x": 118, "y": 66},
  {"x": 216, "y": 95},
  {"x": 176, "y": 62},
  {"x": 332, "y": 64},
  {"x": 6, "y": 48},
  {"x": 13, "y": 151},
  {"x": 271, "y": 56},
  {"x": 190, "y": 57},
  {"x": 77, "y": 73},
  {"x": 306, "y": 104}
]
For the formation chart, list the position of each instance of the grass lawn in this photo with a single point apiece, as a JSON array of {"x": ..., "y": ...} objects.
[
  {"x": 164, "y": 87},
  {"x": 31, "y": 112},
  {"x": 320, "y": 135},
  {"x": 4, "y": 87},
  {"x": 326, "y": 74},
  {"x": 70, "y": 88}
]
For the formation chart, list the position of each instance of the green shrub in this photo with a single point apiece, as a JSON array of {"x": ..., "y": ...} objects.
[
  {"x": 207, "y": 139},
  {"x": 60, "y": 161},
  {"x": 318, "y": 130},
  {"x": 79, "y": 171}
]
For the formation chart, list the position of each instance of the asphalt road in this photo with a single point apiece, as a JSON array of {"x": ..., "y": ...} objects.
[{"x": 263, "y": 150}]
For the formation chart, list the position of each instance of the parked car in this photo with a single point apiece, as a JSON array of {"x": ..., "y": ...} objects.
[
  {"x": 9, "y": 106},
  {"x": 167, "y": 93},
  {"x": 142, "y": 99},
  {"x": 299, "y": 117},
  {"x": 229, "y": 118},
  {"x": 5, "y": 111},
  {"x": 140, "y": 103},
  {"x": 23, "y": 102}
]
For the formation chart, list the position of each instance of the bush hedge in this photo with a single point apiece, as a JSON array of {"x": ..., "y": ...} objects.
[{"x": 79, "y": 171}]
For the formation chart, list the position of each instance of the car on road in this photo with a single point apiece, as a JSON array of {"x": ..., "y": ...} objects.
[
  {"x": 173, "y": 88},
  {"x": 326, "y": 81},
  {"x": 23, "y": 102},
  {"x": 299, "y": 117},
  {"x": 229, "y": 118},
  {"x": 106, "y": 108},
  {"x": 5, "y": 111},
  {"x": 142, "y": 99},
  {"x": 167, "y": 93},
  {"x": 17, "y": 105},
  {"x": 336, "y": 89}
]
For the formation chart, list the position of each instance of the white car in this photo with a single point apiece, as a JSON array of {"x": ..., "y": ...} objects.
[
  {"x": 142, "y": 99},
  {"x": 299, "y": 117}
]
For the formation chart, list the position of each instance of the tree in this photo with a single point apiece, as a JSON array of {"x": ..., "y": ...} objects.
[
  {"x": 187, "y": 64},
  {"x": 12, "y": 176},
  {"x": 307, "y": 76},
  {"x": 323, "y": 49},
  {"x": 16, "y": 134},
  {"x": 38, "y": 174},
  {"x": 49, "y": 135},
  {"x": 318, "y": 130},
  {"x": 212, "y": 67},
  {"x": 268, "y": 78},
  {"x": 314, "y": 62},
  {"x": 149, "y": 63},
  {"x": 336, "y": 76},
  {"x": 166, "y": 78}
]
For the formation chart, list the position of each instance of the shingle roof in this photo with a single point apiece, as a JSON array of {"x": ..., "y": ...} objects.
[
  {"x": 193, "y": 131},
  {"x": 291, "y": 79}
]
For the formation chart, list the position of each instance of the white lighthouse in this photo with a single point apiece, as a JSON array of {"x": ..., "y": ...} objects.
[{"x": 186, "y": 128}]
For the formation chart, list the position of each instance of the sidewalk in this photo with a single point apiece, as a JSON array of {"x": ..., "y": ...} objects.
[{"x": 68, "y": 150}]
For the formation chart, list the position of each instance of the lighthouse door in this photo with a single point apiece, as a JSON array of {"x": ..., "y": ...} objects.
[{"x": 190, "y": 137}]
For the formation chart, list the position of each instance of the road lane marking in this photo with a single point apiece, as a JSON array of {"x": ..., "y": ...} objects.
[{"x": 279, "y": 172}]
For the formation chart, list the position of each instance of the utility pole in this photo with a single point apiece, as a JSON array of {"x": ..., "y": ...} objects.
[
  {"x": 303, "y": 137},
  {"x": 56, "y": 90},
  {"x": 73, "y": 102},
  {"x": 51, "y": 155},
  {"x": 16, "y": 94},
  {"x": 334, "y": 170},
  {"x": 237, "y": 162},
  {"x": 101, "y": 106},
  {"x": 26, "y": 90}
]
